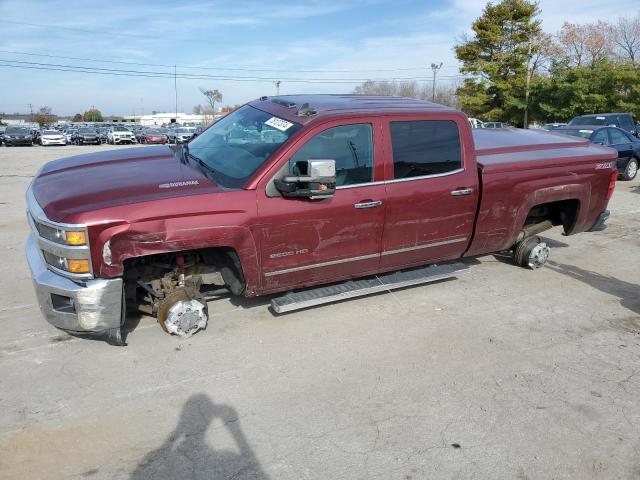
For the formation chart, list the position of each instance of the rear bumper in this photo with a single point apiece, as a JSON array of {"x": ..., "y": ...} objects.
[
  {"x": 600, "y": 222},
  {"x": 94, "y": 306}
]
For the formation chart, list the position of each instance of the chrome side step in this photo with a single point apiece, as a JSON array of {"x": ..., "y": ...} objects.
[{"x": 365, "y": 286}]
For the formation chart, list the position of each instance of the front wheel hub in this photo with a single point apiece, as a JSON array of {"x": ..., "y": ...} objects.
[{"x": 182, "y": 315}]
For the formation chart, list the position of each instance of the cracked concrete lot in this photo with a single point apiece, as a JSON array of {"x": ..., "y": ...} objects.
[{"x": 503, "y": 373}]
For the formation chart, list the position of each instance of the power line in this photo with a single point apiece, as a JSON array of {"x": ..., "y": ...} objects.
[
  {"x": 174, "y": 39},
  {"x": 186, "y": 76},
  {"x": 235, "y": 68}
]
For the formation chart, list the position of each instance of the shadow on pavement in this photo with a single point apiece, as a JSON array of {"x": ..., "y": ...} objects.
[
  {"x": 628, "y": 293},
  {"x": 186, "y": 453}
]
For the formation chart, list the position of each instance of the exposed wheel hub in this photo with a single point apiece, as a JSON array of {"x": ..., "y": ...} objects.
[
  {"x": 186, "y": 317},
  {"x": 539, "y": 255}
]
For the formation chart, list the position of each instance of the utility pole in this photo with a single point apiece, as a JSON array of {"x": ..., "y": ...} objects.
[
  {"x": 277, "y": 83},
  {"x": 528, "y": 85},
  {"x": 434, "y": 67},
  {"x": 175, "y": 87},
  {"x": 30, "y": 113}
]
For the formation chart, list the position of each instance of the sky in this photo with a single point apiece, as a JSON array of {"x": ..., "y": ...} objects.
[{"x": 239, "y": 47}]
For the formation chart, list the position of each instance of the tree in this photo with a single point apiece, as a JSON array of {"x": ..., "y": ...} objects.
[
  {"x": 212, "y": 96},
  {"x": 44, "y": 116},
  {"x": 77, "y": 117},
  {"x": 585, "y": 44},
  {"x": 93, "y": 115},
  {"x": 625, "y": 36},
  {"x": 445, "y": 94},
  {"x": 497, "y": 60}
]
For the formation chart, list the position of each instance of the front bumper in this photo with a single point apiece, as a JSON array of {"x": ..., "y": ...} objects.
[
  {"x": 53, "y": 142},
  {"x": 93, "y": 306},
  {"x": 124, "y": 140},
  {"x": 18, "y": 141}
]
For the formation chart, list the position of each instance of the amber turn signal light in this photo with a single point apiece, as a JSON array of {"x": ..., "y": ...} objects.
[
  {"x": 78, "y": 266},
  {"x": 76, "y": 238}
]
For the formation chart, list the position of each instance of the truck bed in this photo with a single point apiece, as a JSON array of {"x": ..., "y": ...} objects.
[
  {"x": 502, "y": 150},
  {"x": 522, "y": 168}
]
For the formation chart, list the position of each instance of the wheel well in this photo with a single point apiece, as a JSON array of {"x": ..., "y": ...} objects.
[
  {"x": 562, "y": 212},
  {"x": 150, "y": 278}
]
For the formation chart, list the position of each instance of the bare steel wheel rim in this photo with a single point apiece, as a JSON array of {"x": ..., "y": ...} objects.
[{"x": 539, "y": 255}]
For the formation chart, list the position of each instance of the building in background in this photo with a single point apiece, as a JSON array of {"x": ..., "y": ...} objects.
[{"x": 157, "y": 119}]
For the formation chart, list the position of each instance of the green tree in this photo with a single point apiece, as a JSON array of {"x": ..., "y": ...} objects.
[
  {"x": 212, "y": 96},
  {"x": 77, "y": 117},
  {"x": 497, "y": 59},
  {"x": 572, "y": 90},
  {"x": 93, "y": 115}
]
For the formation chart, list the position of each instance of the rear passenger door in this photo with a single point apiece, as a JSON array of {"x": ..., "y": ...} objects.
[{"x": 432, "y": 191}]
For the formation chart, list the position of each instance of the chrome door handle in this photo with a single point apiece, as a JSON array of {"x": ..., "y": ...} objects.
[
  {"x": 368, "y": 204},
  {"x": 461, "y": 191}
]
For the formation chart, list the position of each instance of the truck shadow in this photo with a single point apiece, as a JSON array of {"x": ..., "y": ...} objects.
[
  {"x": 187, "y": 454},
  {"x": 628, "y": 293}
]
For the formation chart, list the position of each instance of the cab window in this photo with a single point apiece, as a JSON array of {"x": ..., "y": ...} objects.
[
  {"x": 425, "y": 147},
  {"x": 351, "y": 146}
]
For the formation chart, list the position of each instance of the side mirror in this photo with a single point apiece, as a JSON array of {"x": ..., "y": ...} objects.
[{"x": 316, "y": 180}]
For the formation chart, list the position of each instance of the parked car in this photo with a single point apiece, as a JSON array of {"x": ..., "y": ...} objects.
[
  {"x": 495, "y": 125},
  {"x": 87, "y": 136},
  {"x": 17, "y": 136},
  {"x": 153, "y": 136},
  {"x": 627, "y": 145},
  {"x": 119, "y": 134},
  {"x": 70, "y": 135},
  {"x": 620, "y": 120},
  {"x": 171, "y": 135},
  {"x": 184, "y": 134},
  {"x": 52, "y": 137},
  {"x": 475, "y": 123},
  {"x": 271, "y": 200},
  {"x": 553, "y": 126},
  {"x": 102, "y": 134}
]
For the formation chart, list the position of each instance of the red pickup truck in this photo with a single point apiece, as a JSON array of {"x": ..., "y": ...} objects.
[{"x": 321, "y": 197}]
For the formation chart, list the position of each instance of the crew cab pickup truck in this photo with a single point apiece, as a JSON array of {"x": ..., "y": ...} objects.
[{"x": 309, "y": 198}]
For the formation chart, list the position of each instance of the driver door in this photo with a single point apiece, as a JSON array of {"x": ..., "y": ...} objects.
[{"x": 306, "y": 242}]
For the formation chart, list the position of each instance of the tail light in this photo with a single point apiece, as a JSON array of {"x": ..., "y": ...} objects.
[{"x": 612, "y": 184}]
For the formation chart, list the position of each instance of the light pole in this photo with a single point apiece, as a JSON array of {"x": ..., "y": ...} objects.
[
  {"x": 277, "y": 84},
  {"x": 434, "y": 67}
]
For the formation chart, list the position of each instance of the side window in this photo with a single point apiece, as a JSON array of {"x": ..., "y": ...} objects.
[
  {"x": 601, "y": 137},
  {"x": 425, "y": 147},
  {"x": 351, "y": 146},
  {"x": 618, "y": 137},
  {"x": 625, "y": 122}
]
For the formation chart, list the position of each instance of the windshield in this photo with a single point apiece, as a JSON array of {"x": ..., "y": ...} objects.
[
  {"x": 186, "y": 130},
  {"x": 153, "y": 132},
  {"x": 87, "y": 130},
  {"x": 17, "y": 130},
  {"x": 120, "y": 129},
  {"x": 50, "y": 132},
  {"x": 238, "y": 144},
  {"x": 584, "y": 133},
  {"x": 591, "y": 120}
]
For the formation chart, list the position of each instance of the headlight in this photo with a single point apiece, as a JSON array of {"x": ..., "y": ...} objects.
[
  {"x": 61, "y": 236},
  {"x": 67, "y": 264}
]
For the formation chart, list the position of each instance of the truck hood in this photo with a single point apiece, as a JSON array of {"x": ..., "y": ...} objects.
[{"x": 71, "y": 186}]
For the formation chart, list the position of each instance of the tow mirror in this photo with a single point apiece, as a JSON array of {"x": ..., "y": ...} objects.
[{"x": 315, "y": 179}]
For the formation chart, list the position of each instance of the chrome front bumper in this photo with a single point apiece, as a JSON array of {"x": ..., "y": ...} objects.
[{"x": 93, "y": 306}]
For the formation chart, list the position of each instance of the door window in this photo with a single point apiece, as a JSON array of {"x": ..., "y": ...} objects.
[
  {"x": 601, "y": 137},
  {"x": 351, "y": 146},
  {"x": 618, "y": 137},
  {"x": 625, "y": 122},
  {"x": 425, "y": 147}
]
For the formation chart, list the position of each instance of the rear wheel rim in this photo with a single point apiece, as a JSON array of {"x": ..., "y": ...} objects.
[{"x": 632, "y": 169}]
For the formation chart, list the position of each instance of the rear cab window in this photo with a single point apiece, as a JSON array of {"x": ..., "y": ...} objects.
[{"x": 423, "y": 148}]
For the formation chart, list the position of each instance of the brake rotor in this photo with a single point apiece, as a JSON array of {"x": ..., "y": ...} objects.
[{"x": 182, "y": 314}]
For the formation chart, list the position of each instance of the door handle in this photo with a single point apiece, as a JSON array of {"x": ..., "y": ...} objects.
[
  {"x": 461, "y": 191},
  {"x": 368, "y": 204}
]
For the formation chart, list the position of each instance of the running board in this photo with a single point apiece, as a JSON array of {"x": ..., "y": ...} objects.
[{"x": 365, "y": 286}]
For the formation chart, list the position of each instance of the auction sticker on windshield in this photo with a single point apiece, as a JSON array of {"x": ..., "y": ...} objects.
[{"x": 279, "y": 124}]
